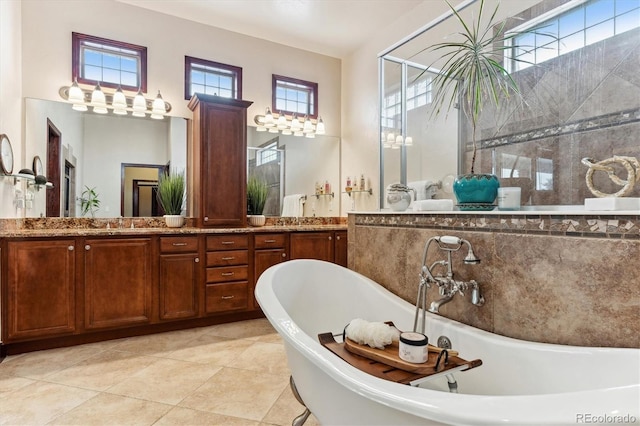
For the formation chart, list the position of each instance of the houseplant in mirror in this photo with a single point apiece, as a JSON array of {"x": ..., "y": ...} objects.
[
  {"x": 472, "y": 75},
  {"x": 89, "y": 202},
  {"x": 171, "y": 196},
  {"x": 256, "y": 198}
]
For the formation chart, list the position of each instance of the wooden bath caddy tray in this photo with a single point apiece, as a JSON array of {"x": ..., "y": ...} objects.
[{"x": 387, "y": 364}]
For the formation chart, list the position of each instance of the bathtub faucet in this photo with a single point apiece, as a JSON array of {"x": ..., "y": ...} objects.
[{"x": 447, "y": 285}]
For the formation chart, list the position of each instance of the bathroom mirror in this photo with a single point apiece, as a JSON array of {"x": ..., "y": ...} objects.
[
  {"x": 292, "y": 166},
  {"x": 581, "y": 99},
  {"x": 94, "y": 148}
]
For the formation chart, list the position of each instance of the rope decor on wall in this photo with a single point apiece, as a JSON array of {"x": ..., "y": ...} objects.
[{"x": 631, "y": 164}]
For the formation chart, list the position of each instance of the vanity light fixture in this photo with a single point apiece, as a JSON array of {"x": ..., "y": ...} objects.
[
  {"x": 394, "y": 141},
  {"x": 289, "y": 125},
  {"x": 118, "y": 101}
]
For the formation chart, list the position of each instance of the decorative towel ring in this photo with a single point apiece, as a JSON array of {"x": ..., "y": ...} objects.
[{"x": 631, "y": 164}]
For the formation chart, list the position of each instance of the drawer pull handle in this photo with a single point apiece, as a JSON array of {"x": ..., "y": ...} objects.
[
  {"x": 229, "y": 258},
  {"x": 179, "y": 244},
  {"x": 338, "y": 237},
  {"x": 329, "y": 238},
  {"x": 87, "y": 247},
  {"x": 197, "y": 260},
  {"x": 227, "y": 274},
  {"x": 71, "y": 248},
  {"x": 269, "y": 241},
  {"x": 284, "y": 254},
  {"x": 226, "y": 243},
  {"x": 227, "y": 297}
]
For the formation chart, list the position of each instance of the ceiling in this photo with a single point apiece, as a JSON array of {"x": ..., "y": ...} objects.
[{"x": 329, "y": 27}]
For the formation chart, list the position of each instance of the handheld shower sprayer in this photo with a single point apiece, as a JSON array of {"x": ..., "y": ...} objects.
[{"x": 456, "y": 242}]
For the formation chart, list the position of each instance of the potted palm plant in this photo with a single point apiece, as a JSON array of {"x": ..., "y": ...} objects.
[
  {"x": 171, "y": 196},
  {"x": 472, "y": 75},
  {"x": 256, "y": 198}
]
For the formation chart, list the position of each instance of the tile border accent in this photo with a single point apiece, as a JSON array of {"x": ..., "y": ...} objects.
[{"x": 592, "y": 226}]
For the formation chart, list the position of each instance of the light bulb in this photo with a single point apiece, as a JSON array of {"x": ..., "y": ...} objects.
[
  {"x": 119, "y": 102},
  {"x": 320, "y": 126},
  {"x": 139, "y": 105},
  {"x": 158, "y": 108},
  {"x": 76, "y": 97},
  {"x": 98, "y": 100},
  {"x": 268, "y": 118}
]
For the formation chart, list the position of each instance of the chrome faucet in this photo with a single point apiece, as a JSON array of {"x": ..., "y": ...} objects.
[{"x": 447, "y": 285}]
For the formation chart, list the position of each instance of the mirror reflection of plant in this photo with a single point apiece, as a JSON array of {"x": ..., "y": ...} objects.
[
  {"x": 89, "y": 202},
  {"x": 256, "y": 195},
  {"x": 171, "y": 192}
]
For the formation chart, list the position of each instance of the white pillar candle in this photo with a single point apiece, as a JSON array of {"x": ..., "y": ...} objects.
[{"x": 509, "y": 198}]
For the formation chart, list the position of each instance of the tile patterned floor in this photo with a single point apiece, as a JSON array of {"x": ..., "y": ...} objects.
[{"x": 228, "y": 374}]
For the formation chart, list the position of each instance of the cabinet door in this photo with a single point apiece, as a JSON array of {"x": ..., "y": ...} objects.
[
  {"x": 312, "y": 245},
  {"x": 179, "y": 285},
  {"x": 118, "y": 280},
  {"x": 341, "y": 248},
  {"x": 40, "y": 289},
  {"x": 262, "y": 260},
  {"x": 221, "y": 156}
]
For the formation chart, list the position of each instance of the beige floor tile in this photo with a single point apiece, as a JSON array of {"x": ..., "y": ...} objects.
[
  {"x": 168, "y": 381},
  {"x": 40, "y": 402},
  {"x": 286, "y": 409},
  {"x": 209, "y": 349},
  {"x": 106, "y": 409},
  {"x": 160, "y": 344},
  {"x": 270, "y": 338},
  {"x": 180, "y": 416},
  {"x": 238, "y": 393},
  {"x": 263, "y": 357},
  {"x": 10, "y": 383},
  {"x": 103, "y": 370},
  {"x": 40, "y": 364},
  {"x": 251, "y": 329}
]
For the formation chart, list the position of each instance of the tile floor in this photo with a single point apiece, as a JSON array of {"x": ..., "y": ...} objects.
[{"x": 228, "y": 374}]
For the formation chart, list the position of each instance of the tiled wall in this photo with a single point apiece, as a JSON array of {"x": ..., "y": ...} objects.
[
  {"x": 580, "y": 104},
  {"x": 571, "y": 280}
]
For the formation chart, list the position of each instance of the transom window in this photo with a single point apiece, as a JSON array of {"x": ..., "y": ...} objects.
[
  {"x": 294, "y": 96},
  {"x": 211, "y": 78},
  {"x": 418, "y": 94},
  {"x": 588, "y": 23},
  {"x": 267, "y": 153},
  {"x": 108, "y": 62}
]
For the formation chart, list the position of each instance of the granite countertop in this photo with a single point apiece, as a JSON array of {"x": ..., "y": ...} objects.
[{"x": 71, "y": 227}]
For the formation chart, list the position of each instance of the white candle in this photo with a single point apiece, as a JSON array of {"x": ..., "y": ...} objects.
[{"x": 509, "y": 198}]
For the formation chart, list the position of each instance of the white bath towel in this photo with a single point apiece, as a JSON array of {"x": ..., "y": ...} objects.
[
  {"x": 433, "y": 205},
  {"x": 293, "y": 205},
  {"x": 420, "y": 186}
]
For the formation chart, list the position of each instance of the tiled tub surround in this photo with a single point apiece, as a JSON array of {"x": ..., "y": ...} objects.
[
  {"x": 562, "y": 279},
  {"x": 581, "y": 104}
]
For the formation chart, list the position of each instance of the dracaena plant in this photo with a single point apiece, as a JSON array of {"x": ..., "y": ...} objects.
[{"x": 472, "y": 73}]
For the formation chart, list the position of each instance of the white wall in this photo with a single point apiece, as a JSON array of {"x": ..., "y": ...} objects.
[{"x": 10, "y": 94}]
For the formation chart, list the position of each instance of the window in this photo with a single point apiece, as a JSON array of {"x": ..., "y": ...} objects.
[
  {"x": 267, "y": 153},
  {"x": 418, "y": 94},
  {"x": 108, "y": 62},
  {"x": 588, "y": 23},
  {"x": 293, "y": 96},
  {"x": 211, "y": 78}
]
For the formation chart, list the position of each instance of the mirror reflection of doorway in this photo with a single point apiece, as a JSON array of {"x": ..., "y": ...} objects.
[{"x": 139, "y": 183}]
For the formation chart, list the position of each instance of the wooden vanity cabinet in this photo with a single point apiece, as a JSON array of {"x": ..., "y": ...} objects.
[
  {"x": 39, "y": 297},
  {"x": 118, "y": 282},
  {"x": 227, "y": 273},
  {"x": 330, "y": 246},
  {"x": 179, "y": 277},
  {"x": 217, "y": 156},
  {"x": 269, "y": 249}
]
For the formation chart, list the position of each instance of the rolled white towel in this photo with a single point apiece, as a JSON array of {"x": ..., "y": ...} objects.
[
  {"x": 444, "y": 204},
  {"x": 375, "y": 334}
]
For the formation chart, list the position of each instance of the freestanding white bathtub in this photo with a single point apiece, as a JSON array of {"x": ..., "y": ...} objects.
[{"x": 519, "y": 382}]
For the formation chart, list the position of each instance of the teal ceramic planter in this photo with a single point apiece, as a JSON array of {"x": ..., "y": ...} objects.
[{"x": 476, "y": 189}]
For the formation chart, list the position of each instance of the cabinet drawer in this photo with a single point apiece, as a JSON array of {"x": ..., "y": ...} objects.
[
  {"x": 227, "y": 258},
  {"x": 227, "y": 273},
  {"x": 178, "y": 244},
  {"x": 226, "y": 297},
  {"x": 227, "y": 242},
  {"x": 263, "y": 241}
]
